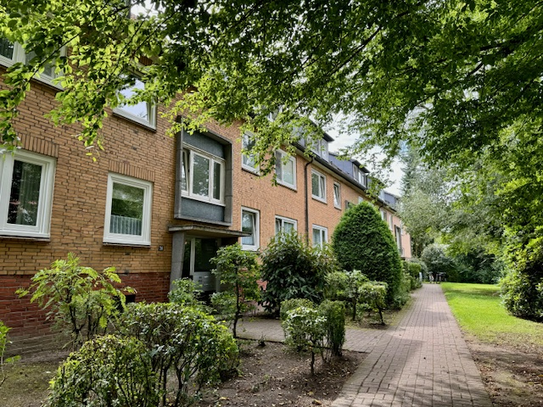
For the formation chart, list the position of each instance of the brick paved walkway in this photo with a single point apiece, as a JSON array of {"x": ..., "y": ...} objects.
[{"x": 421, "y": 361}]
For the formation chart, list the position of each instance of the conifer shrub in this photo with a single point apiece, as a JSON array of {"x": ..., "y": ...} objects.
[
  {"x": 362, "y": 241},
  {"x": 293, "y": 268}
]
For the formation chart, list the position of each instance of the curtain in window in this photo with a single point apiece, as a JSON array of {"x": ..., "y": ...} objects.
[
  {"x": 25, "y": 193},
  {"x": 126, "y": 210},
  {"x": 248, "y": 226}
]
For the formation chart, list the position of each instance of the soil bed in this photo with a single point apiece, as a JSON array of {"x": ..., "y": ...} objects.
[{"x": 272, "y": 375}]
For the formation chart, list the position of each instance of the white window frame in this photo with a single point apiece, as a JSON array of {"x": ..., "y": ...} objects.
[
  {"x": 322, "y": 185},
  {"x": 189, "y": 176},
  {"x": 337, "y": 197},
  {"x": 256, "y": 233},
  {"x": 245, "y": 157},
  {"x": 320, "y": 148},
  {"x": 19, "y": 55},
  {"x": 323, "y": 233},
  {"x": 284, "y": 220},
  {"x": 151, "y": 110},
  {"x": 384, "y": 216},
  {"x": 118, "y": 238},
  {"x": 359, "y": 175},
  {"x": 280, "y": 155},
  {"x": 43, "y": 221}
]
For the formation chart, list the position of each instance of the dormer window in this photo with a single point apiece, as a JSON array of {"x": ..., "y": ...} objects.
[
  {"x": 359, "y": 175},
  {"x": 320, "y": 147}
]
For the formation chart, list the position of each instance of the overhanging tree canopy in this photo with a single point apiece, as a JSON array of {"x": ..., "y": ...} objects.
[{"x": 460, "y": 79}]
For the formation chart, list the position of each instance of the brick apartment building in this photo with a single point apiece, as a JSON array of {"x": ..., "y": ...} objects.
[{"x": 157, "y": 208}]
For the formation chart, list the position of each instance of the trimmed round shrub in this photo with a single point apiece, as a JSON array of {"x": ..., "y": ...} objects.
[
  {"x": 362, "y": 241},
  {"x": 107, "y": 371}
]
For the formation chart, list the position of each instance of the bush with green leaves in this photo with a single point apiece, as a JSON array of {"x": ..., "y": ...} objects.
[
  {"x": 305, "y": 329},
  {"x": 239, "y": 272},
  {"x": 374, "y": 294},
  {"x": 345, "y": 286},
  {"x": 186, "y": 292},
  {"x": 522, "y": 285},
  {"x": 183, "y": 341},
  {"x": 4, "y": 341},
  {"x": 107, "y": 371},
  {"x": 334, "y": 312},
  {"x": 362, "y": 241},
  {"x": 414, "y": 272},
  {"x": 293, "y": 268},
  {"x": 293, "y": 303},
  {"x": 81, "y": 300}
]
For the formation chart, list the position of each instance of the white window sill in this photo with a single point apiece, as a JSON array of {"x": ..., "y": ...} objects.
[
  {"x": 255, "y": 171},
  {"x": 201, "y": 199},
  {"x": 122, "y": 242},
  {"x": 317, "y": 198},
  {"x": 289, "y": 186},
  {"x": 134, "y": 119}
]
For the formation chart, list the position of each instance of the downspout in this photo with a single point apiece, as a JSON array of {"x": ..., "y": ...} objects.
[{"x": 307, "y": 201}]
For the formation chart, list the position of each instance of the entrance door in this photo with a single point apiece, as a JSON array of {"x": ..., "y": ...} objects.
[{"x": 196, "y": 264}]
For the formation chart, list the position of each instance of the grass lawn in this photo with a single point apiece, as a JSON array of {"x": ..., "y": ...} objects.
[{"x": 479, "y": 311}]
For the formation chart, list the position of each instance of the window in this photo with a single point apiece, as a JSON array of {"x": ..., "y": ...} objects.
[
  {"x": 11, "y": 53},
  {"x": 250, "y": 224},
  {"x": 320, "y": 236},
  {"x": 128, "y": 211},
  {"x": 247, "y": 159},
  {"x": 320, "y": 147},
  {"x": 285, "y": 225},
  {"x": 202, "y": 176},
  {"x": 318, "y": 186},
  {"x": 285, "y": 169},
  {"x": 360, "y": 199},
  {"x": 337, "y": 195},
  {"x": 398, "y": 235},
  {"x": 359, "y": 175},
  {"x": 383, "y": 215},
  {"x": 26, "y": 194},
  {"x": 142, "y": 112}
]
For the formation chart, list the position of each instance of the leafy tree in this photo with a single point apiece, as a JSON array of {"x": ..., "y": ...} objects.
[
  {"x": 293, "y": 268},
  {"x": 362, "y": 241},
  {"x": 438, "y": 261},
  {"x": 239, "y": 271},
  {"x": 81, "y": 300}
]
